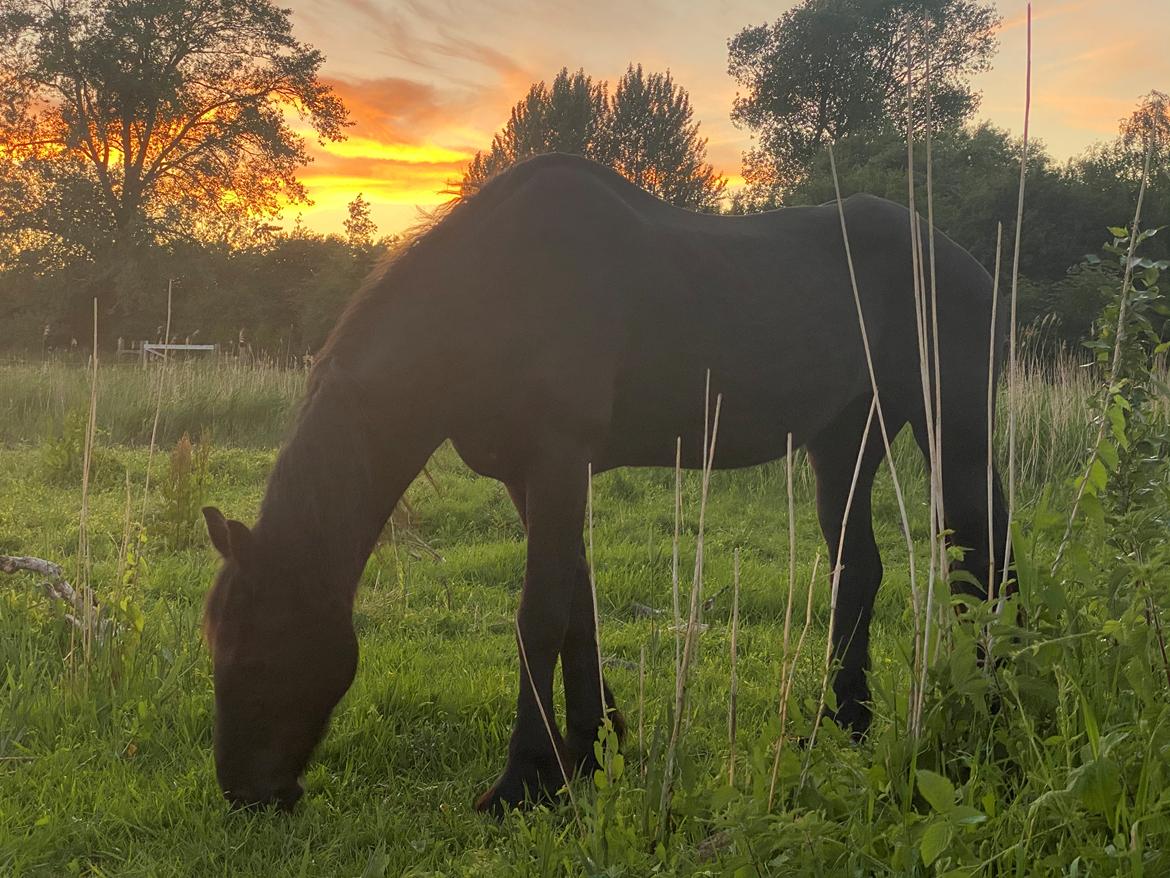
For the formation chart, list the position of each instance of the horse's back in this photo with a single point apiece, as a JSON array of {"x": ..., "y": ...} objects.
[{"x": 581, "y": 296}]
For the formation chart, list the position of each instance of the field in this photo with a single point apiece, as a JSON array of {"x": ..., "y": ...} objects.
[{"x": 1053, "y": 763}]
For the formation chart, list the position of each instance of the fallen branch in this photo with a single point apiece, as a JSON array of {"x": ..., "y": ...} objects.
[{"x": 55, "y": 586}]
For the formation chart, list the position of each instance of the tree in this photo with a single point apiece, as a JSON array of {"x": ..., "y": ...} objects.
[
  {"x": 167, "y": 118},
  {"x": 829, "y": 69},
  {"x": 568, "y": 117},
  {"x": 359, "y": 228},
  {"x": 646, "y": 132},
  {"x": 1148, "y": 128},
  {"x": 652, "y": 140}
]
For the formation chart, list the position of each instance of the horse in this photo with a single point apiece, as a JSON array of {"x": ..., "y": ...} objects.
[{"x": 561, "y": 320}]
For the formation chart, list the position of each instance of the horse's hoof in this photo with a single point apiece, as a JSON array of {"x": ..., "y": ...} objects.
[
  {"x": 495, "y": 801},
  {"x": 852, "y": 717},
  {"x": 522, "y": 785}
]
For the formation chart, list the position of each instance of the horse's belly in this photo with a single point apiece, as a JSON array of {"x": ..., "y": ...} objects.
[{"x": 755, "y": 419}]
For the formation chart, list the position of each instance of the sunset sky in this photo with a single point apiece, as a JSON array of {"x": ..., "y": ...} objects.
[{"x": 428, "y": 82}]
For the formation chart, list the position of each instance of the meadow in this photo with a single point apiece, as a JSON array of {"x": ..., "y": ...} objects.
[{"x": 1051, "y": 762}]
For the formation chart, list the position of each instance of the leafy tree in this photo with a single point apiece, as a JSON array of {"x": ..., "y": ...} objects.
[
  {"x": 133, "y": 122},
  {"x": 653, "y": 141},
  {"x": 568, "y": 117},
  {"x": 359, "y": 227},
  {"x": 829, "y": 69},
  {"x": 1148, "y": 127},
  {"x": 645, "y": 131},
  {"x": 1067, "y": 211}
]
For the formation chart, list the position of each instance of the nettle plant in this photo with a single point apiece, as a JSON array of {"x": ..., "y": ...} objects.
[{"x": 1092, "y": 672}]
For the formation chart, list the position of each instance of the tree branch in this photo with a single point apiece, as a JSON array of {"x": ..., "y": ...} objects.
[{"x": 55, "y": 586}]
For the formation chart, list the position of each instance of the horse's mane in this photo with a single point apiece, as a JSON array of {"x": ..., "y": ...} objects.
[
  {"x": 430, "y": 231},
  {"x": 416, "y": 237},
  {"x": 328, "y": 444}
]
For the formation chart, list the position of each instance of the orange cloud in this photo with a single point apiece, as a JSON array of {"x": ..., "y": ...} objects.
[{"x": 1039, "y": 13}]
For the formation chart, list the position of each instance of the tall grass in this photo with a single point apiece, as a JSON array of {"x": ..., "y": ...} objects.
[
  {"x": 252, "y": 408},
  {"x": 242, "y": 407}
]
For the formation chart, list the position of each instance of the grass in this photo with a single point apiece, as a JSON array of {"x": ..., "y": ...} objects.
[{"x": 105, "y": 769}]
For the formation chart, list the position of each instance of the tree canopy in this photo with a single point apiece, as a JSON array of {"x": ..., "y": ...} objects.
[
  {"x": 1067, "y": 208},
  {"x": 137, "y": 121},
  {"x": 645, "y": 131},
  {"x": 830, "y": 69}
]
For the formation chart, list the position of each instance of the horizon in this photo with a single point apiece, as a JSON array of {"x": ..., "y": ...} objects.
[{"x": 429, "y": 84}]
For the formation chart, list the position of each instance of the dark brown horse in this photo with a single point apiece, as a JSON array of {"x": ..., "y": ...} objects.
[{"x": 563, "y": 317}]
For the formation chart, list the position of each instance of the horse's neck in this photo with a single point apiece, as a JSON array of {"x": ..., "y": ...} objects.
[{"x": 336, "y": 482}]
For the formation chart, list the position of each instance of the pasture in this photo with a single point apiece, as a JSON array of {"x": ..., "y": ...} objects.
[{"x": 1055, "y": 763}]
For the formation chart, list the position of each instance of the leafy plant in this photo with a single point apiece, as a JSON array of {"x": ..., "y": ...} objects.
[
  {"x": 63, "y": 455},
  {"x": 185, "y": 490}
]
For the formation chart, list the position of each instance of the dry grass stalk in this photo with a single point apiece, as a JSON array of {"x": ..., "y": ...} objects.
[
  {"x": 733, "y": 689},
  {"x": 931, "y": 377},
  {"x": 991, "y": 352},
  {"x": 787, "y": 675},
  {"x": 1013, "y": 378},
  {"x": 88, "y": 619},
  {"x": 674, "y": 583},
  {"x": 593, "y": 595},
  {"x": 889, "y": 456},
  {"x": 791, "y": 553},
  {"x": 552, "y": 737},
  {"x": 127, "y": 527},
  {"x": 162, "y": 372},
  {"x": 836, "y": 578},
  {"x": 690, "y": 642},
  {"x": 921, "y": 608},
  {"x": 787, "y": 603},
  {"x": 642, "y": 705}
]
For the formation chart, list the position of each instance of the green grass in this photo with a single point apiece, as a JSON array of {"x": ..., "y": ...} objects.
[{"x": 105, "y": 767}]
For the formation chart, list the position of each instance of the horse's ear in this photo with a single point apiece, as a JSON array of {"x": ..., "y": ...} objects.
[{"x": 230, "y": 537}]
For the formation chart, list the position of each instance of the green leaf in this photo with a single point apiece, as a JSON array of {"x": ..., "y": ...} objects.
[
  {"x": 1117, "y": 424},
  {"x": 1098, "y": 785},
  {"x": 965, "y": 815},
  {"x": 935, "y": 841},
  {"x": 618, "y": 766},
  {"x": 1098, "y": 477},
  {"x": 1108, "y": 455},
  {"x": 1119, "y": 232},
  {"x": 937, "y": 790}
]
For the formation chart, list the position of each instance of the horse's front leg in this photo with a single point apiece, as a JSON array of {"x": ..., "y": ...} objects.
[
  {"x": 580, "y": 664},
  {"x": 554, "y": 499}
]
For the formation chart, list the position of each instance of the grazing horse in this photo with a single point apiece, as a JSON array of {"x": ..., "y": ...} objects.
[{"x": 562, "y": 317}]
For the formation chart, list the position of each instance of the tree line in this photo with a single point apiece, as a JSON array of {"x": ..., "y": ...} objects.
[{"x": 145, "y": 140}]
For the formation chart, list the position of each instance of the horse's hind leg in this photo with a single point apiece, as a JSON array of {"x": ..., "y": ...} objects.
[
  {"x": 965, "y": 494},
  {"x": 579, "y": 662},
  {"x": 834, "y": 456}
]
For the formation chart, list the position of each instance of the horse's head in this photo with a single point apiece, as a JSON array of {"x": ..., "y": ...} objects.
[{"x": 283, "y": 653}]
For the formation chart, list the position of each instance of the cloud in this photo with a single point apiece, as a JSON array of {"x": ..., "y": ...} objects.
[
  {"x": 394, "y": 109},
  {"x": 1041, "y": 14},
  {"x": 403, "y": 40}
]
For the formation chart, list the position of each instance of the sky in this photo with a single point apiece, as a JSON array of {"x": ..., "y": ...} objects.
[{"x": 428, "y": 82}]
